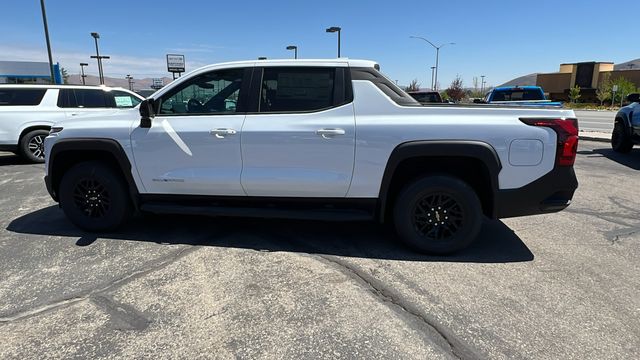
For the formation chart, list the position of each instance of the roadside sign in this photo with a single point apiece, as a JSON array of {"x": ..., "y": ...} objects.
[
  {"x": 157, "y": 84},
  {"x": 615, "y": 88},
  {"x": 175, "y": 63}
]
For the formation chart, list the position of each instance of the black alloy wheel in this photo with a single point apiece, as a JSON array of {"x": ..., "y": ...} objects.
[
  {"x": 438, "y": 214},
  {"x": 95, "y": 197}
]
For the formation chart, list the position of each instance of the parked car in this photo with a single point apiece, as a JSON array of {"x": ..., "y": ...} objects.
[
  {"x": 519, "y": 95},
  {"x": 426, "y": 97},
  {"x": 626, "y": 129},
  {"x": 313, "y": 139},
  {"x": 28, "y": 111}
]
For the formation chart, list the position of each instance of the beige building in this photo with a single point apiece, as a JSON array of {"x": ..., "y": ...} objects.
[{"x": 587, "y": 75}]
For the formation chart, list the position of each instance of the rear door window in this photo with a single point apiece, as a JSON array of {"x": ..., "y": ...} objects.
[
  {"x": 82, "y": 98},
  {"x": 21, "y": 97},
  {"x": 296, "y": 89}
]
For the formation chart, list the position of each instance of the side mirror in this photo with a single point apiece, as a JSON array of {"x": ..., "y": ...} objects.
[
  {"x": 147, "y": 113},
  {"x": 632, "y": 98}
]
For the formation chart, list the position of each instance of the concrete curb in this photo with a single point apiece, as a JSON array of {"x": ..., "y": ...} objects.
[{"x": 595, "y": 136}]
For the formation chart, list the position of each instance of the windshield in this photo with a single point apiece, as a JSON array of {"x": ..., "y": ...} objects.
[{"x": 517, "y": 95}]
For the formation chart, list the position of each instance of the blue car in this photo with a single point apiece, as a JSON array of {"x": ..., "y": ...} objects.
[{"x": 519, "y": 95}]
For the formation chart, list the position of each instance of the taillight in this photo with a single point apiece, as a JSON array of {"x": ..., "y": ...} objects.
[{"x": 567, "y": 131}]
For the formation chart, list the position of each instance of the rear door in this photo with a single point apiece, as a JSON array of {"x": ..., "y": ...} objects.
[
  {"x": 300, "y": 139},
  {"x": 81, "y": 102}
]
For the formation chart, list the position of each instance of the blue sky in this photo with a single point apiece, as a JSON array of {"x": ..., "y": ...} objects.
[{"x": 499, "y": 39}]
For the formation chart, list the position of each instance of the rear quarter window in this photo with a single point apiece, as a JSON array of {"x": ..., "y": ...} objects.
[{"x": 21, "y": 97}]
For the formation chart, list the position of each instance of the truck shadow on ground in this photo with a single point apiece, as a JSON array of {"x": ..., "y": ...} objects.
[
  {"x": 496, "y": 243},
  {"x": 7, "y": 158},
  {"x": 630, "y": 160}
]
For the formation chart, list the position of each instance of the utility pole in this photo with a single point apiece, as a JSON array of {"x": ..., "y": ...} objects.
[
  {"x": 46, "y": 35},
  {"x": 83, "y": 76}
]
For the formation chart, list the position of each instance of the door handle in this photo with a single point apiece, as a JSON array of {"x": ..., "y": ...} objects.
[
  {"x": 329, "y": 133},
  {"x": 74, "y": 114},
  {"x": 221, "y": 133}
]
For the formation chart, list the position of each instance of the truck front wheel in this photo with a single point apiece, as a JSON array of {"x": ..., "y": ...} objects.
[
  {"x": 94, "y": 197},
  {"x": 438, "y": 214}
]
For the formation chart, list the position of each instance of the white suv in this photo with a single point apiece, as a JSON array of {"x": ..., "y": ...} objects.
[{"x": 28, "y": 111}]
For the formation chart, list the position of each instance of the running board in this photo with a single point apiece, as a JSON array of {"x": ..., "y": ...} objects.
[{"x": 270, "y": 213}]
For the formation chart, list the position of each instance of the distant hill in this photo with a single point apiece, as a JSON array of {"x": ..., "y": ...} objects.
[
  {"x": 117, "y": 82},
  {"x": 625, "y": 65},
  {"x": 527, "y": 80}
]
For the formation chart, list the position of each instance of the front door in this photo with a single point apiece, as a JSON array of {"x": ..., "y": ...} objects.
[
  {"x": 193, "y": 145},
  {"x": 301, "y": 142}
]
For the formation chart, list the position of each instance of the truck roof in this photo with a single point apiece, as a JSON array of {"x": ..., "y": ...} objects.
[
  {"x": 298, "y": 62},
  {"x": 528, "y": 87}
]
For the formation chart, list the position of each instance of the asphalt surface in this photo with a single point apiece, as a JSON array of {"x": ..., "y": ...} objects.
[
  {"x": 601, "y": 121},
  {"x": 557, "y": 286}
]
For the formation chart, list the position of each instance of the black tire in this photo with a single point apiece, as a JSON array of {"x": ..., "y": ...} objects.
[
  {"x": 620, "y": 141},
  {"x": 31, "y": 146},
  {"x": 94, "y": 197},
  {"x": 438, "y": 214}
]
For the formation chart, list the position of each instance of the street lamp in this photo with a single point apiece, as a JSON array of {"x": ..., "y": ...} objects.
[
  {"x": 437, "y": 54},
  {"x": 482, "y": 84},
  {"x": 130, "y": 80},
  {"x": 335, "y": 29},
  {"x": 83, "y": 76},
  {"x": 295, "y": 49},
  {"x": 46, "y": 35},
  {"x": 96, "y": 36}
]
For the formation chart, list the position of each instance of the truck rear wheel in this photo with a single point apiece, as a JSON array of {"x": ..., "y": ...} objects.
[
  {"x": 620, "y": 141},
  {"x": 94, "y": 197},
  {"x": 438, "y": 214}
]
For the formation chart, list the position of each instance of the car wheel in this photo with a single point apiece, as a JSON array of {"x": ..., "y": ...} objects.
[
  {"x": 438, "y": 214},
  {"x": 94, "y": 197},
  {"x": 620, "y": 141},
  {"x": 32, "y": 145}
]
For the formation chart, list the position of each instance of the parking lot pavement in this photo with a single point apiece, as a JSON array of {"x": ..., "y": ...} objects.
[{"x": 562, "y": 285}]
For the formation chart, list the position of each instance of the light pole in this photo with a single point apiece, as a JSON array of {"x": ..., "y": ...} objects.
[
  {"x": 295, "y": 49},
  {"x": 96, "y": 36},
  {"x": 130, "y": 80},
  {"x": 335, "y": 29},
  {"x": 46, "y": 35},
  {"x": 83, "y": 76},
  {"x": 437, "y": 54},
  {"x": 482, "y": 84},
  {"x": 432, "y": 84}
]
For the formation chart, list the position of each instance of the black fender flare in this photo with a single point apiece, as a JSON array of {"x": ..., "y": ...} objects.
[
  {"x": 110, "y": 146},
  {"x": 626, "y": 122},
  {"x": 477, "y": 150}
]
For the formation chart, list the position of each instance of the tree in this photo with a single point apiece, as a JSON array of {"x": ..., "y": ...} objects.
[
  {"x": 574, "y": 94},
  {"x": 456, "y": 91},
  {"x": 603, "y": 93},
  {"x": 413, "y": 86},
  {"x": 625, "y": 87},
  {"x": 65, "y": 75}
]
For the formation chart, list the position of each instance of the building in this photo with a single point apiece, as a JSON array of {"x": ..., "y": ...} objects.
[
  {"x": 28, "y": 72},
  {"x": 587, "y": 75}
]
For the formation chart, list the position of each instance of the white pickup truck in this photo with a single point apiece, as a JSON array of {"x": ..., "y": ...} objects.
[{"x": 313, "y": 139}]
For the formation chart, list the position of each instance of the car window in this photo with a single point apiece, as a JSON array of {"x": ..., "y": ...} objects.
[
  {"x": 296, "y": 89},
  {"x": 82, "y": 98},
  {"x": 21, "y": 97},
  {"x": 123, "y": 99},
  {"x": 216, "y": 92}
]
